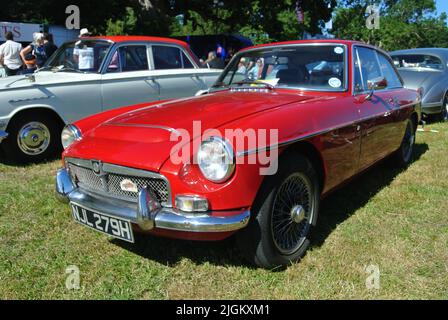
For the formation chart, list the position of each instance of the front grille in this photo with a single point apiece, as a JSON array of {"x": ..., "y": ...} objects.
[{"x": 109, "y": 184}]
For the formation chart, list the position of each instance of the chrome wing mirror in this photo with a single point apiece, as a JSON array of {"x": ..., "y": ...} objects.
[{"x": 379, "y": 83}]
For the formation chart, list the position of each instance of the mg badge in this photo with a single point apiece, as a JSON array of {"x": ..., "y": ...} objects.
[
  {"x": 97, "y": 167},
  {"x": 128, "y": 186}
]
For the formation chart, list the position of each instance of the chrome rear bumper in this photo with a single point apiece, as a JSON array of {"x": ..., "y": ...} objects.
[
  {"x": 147, "y": 214},
  {"x": 3, "y": 135}
]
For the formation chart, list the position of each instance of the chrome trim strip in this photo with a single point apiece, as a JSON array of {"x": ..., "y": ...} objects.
[
  {"x": 126, "y": 171},
  {"x": 314, "y": 134},
  {"x": 137, "y": 125},
  {"x": 145, "y": 216},
  {"x": 3, "y": 135}
]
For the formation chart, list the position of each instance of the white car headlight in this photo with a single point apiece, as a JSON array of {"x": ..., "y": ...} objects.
[
  {"x": 216, "y": 159},
  {"x": 69, "y": 135}
]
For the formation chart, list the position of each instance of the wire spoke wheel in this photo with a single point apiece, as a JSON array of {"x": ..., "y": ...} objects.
[{"x": 292, "y": 213}]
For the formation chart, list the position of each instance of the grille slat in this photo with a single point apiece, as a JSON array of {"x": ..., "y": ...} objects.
[{"x": 109, "y": 184}]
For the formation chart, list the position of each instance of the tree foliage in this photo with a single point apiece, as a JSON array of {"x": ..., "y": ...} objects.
[
  {"x": 262, "y": 20},
  {"x": 403, "y": 24}
]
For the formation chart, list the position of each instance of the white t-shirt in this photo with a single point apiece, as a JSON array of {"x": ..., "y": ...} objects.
[
  {"x": 85, "y": 57},
  {"x": 10, "y": 52}
]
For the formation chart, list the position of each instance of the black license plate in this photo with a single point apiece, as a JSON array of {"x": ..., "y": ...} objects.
[{"x": 112, "y": 226}]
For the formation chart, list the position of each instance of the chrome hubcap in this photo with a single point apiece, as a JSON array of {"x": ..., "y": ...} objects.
[
  {"x": 298, "y": 214},
  {"x": 33, "y": 138},
  {"x": 292, "y": 214},
  {"x": 445, "y": 116}
]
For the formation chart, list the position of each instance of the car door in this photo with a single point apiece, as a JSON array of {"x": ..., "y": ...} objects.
[
  {"x": 174, "y": 72},
  {"x": 400, "y": 101},
  {"x": 376, "y": 112},
  {"x": 128, "y": 80}
]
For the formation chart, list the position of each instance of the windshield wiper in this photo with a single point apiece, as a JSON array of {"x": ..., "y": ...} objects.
[
  {"x": 65, "y": 68},
  {"x": 44, "y": 69},
  {"x": 256, "y": 82},
  {"x": 219, "y": 85}
]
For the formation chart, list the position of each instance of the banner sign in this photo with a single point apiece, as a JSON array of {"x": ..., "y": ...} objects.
[{"x": 22, "y": 32}]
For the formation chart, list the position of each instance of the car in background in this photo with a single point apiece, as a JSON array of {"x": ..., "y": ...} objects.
[
  {"x": 88, "y": 76},
  {"x": 426, "y": 70},
  {"x": 253, "y": 156}
]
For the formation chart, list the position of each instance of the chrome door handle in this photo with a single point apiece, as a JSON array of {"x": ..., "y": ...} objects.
[{"x": 387, "y": 114}]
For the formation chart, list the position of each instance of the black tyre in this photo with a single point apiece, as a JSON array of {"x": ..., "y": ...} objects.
[
  {"x": 444, "y": 113},
  {"x": 32, "y": 138},
  {"x": 403, "y": 156},
  {"x": 283, "y": 215}
]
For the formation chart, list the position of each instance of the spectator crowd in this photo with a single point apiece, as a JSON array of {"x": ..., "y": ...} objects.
[{"x": 17, "y": 60}]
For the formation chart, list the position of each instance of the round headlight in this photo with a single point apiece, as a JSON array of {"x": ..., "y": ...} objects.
[
  {"x": 69, "y": 135},
  {"x": 216, "y": 159}
]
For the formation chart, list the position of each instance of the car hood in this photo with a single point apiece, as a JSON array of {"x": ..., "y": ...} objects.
[
  {"x": 416, "y": 78},
  {"x": 144, "y": 138},
  {"x": 44, "y": 78}
]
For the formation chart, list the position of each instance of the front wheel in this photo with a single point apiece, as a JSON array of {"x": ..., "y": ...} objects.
[
  {"x": 284, "y": 214},
  {"x": 32, "y": 138}
]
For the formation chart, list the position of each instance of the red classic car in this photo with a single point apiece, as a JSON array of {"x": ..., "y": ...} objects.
[{"x": 284, "y": 125}]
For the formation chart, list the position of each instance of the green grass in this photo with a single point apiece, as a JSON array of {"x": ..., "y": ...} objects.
[{"x": 397, "y": 220}]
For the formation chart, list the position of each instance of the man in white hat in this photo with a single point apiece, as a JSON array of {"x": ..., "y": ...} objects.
[{"x": 84, "y": 33}]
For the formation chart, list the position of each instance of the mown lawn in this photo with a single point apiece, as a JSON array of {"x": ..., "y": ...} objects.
[{"x": 395, "y": 220}]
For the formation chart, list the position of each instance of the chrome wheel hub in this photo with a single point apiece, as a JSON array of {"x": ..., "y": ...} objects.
[
  {"x": 298, "y": 214},
  {"x": 292, "y": 214},
  {"x": 33, "y": 138}
]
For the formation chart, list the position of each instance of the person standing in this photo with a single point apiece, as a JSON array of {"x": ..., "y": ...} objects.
[
  {"x": 49, "y": 45},
  {"x": 35, "y": 49},
  {"x": 214, "y": 61},
  {"x": 10, "y": 55}
]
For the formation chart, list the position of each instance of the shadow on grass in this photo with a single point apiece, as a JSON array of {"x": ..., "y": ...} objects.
[
  {"x": 10, "y": 163},
  {"x": 341, "y": 204},
  {"x": 335, "y": 209}
]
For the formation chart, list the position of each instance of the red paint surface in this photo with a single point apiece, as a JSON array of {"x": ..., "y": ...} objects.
[{"x": 349, "y": 133}]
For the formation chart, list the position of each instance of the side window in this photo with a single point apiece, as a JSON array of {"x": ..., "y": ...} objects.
[
  {"x": 393, "y": 81},
  {"x": 166, "y": 57},
  {"x": 186, "y": 62},
  {"x": 370, "y": 68},
  {"x": 129, "y": 58},
  {"x": 359, "y": 87}
]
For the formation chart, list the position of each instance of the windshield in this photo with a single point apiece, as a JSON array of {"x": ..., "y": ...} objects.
[
  {"x": 413, "y": 61},
  {"x": 308, "y": 67},
  {"x": 82, "y": 55}
]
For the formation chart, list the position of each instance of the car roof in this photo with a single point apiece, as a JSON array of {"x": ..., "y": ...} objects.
[
  {"x": 119, "y": 39},
  {"x": 440, "y": 52},
  {"x": 283, "y": 43}
]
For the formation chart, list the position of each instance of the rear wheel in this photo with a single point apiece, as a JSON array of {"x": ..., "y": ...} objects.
[
  {"x": 284, "y": 213},
  {"x": 32, "y": 138},
  {"x": 403, "y": 156},
  {"x": 444, "y": 114}
]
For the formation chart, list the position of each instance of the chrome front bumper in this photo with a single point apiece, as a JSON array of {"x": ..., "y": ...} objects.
[
  {"x": 3, "y": 136},
  {"x": 147, "y": 213}
]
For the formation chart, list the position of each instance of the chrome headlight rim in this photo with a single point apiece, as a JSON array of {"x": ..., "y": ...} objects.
[
  {"x": 228, "y": 149},
  {"x": 74, "y": 134}
]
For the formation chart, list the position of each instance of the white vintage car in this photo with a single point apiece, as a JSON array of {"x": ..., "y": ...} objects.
[{"x": 91, "y": 75}]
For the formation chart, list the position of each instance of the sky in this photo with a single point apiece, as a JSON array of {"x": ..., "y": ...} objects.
[{"x": 442, "y": 6}]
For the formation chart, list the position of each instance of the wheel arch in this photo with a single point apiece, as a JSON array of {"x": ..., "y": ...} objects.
[
  {"x": 41, "y": 109},
  {"x": 310, "y": 151}
]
